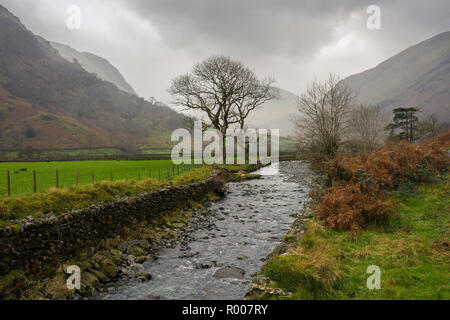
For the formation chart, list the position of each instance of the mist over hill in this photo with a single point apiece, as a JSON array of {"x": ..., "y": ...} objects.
[
  {"x": 277, "y": 114},
  {"x": 418, "y": 76},
  {"x": 48, "y": 102},
  {"x": 53, "y": 96},
  {"x": 94, "y": 64}
]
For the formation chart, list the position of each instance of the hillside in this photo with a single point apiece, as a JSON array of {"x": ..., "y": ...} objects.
[
  {"x": 418, "y": 76},
  {"x": 94, "y": 64},
  {"x": 47, "y": 102},
  {"x": 277, "y": 114}
]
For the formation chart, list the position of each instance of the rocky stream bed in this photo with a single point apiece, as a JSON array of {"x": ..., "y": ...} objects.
[{"x": 223, "y": 245}]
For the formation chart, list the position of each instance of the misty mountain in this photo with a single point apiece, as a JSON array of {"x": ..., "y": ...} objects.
[
  {"x": 277, "y": 114},
  {"x": 94, "y": 64},
  {"x": 47, "y": 102},
  {"x": 418, "y": 76}
]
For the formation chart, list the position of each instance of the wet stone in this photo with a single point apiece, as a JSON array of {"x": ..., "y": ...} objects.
[{"x": 229, "y": 272}]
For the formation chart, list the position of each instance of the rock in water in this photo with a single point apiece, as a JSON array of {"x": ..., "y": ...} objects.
[{"x": 229, "y": 272}]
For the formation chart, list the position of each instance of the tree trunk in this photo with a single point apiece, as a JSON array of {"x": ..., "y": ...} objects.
[{"x": 224, "y": 148}]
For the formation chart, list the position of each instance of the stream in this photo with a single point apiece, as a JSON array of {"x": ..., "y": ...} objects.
[{"x": 219, "y": 260}]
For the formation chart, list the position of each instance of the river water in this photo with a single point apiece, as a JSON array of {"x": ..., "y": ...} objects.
[{"x": 245, "y": 227}]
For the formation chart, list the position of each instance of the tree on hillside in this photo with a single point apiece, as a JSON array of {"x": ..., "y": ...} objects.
[
  {"x": 30, "y": 133},
  {"x": 367, "y": 127},
  {"x": 405, "y": 121},
  {"x": 223, "y": 89},
  {"x": 324, "y": 109}
]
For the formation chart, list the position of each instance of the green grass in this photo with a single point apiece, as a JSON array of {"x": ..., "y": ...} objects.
[
  {"x": 235, "y": 167},
  {"x": 21, "y": 173},
  {"x": 413, "y": 255},
  {"x": 59, "y": 201},
  {"x": 80, "y": 152},
  {"x": 288, "y": 145}
]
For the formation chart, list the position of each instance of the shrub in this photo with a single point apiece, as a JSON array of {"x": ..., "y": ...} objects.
[
  {"x": 30, "y": 133},
  {"x": 356, "y": 187},
  {"x": 350, "y": 206}
]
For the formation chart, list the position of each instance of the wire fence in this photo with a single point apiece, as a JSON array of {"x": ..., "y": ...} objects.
[{"x": 24, "y": 181}]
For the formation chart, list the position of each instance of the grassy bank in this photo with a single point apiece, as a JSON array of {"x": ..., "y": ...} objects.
[
  {"x": 59, "y": 201},
  {"x": 412, "y": 253}
]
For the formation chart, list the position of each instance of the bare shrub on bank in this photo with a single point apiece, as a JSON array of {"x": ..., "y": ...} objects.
[{"x": 430, "y": 127}]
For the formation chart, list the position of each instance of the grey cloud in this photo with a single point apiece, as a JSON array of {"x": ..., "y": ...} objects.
[
  {"x": 293, "y": 40},
  {"x": 256, "y": 28}
]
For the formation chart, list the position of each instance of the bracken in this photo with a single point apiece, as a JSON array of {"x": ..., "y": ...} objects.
[{"x": 356, "y": 187}]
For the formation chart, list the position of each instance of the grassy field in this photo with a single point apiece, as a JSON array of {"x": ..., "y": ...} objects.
[
  {"x": 21, "y": 173},
  {"x": 58, "y": 201},
  {"x": 412, "y": 253}
]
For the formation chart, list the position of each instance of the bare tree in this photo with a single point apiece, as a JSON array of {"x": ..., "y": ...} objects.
[
  {"x": 225, "y": 90},
  {"x": 324, "y": 109},
  {"x": 430, "y": 127},
  {"x": 367, "y": 124}
]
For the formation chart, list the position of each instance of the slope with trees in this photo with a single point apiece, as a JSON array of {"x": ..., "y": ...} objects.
[{"x": 65, "y": 105}]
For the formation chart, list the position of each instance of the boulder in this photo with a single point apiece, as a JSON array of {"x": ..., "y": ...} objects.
[{"x": 229, "y": 272}]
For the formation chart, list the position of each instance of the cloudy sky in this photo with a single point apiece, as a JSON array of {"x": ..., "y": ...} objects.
[{"x": 295, "y": 41}]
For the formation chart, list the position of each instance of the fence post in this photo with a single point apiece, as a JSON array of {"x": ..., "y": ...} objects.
[
  {"x": 57, "y": 179},
  {"x": 8, "y": 181},
  {"x": 34, "y": 181}
]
